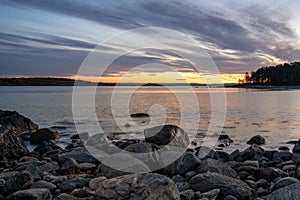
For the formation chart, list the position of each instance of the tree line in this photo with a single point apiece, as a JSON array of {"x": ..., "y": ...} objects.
[{"x": 283, "y": 74}]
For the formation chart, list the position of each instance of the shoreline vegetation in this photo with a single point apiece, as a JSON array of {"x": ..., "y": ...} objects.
[{"x": 52, "y": 172}]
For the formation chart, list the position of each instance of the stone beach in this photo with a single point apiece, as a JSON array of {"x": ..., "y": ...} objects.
[{"x": 51, "y": 172}]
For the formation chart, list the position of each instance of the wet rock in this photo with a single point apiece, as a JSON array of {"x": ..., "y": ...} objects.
[
  {"x": 187, "y": 195},
  {"x": 44, "y": 184},
  {"x": 17, "y": 182},
  {"x": 32, "y": 194},
  {"x": 12, "y": 146},
  {"x": 290, "y": 192},
  {"x": 80, "y": 193},
  {"x": 19, "y": 122},
  {"x": 167, "y": 135},
  {"x": 227, "y": 185},
  {"x": 138, "y": 186},
  {"x": 188, "y": 162},
  {"x": 252, "y": 163},
  {"x": 69, "y": 185},
  {"x": 216, "y": 166},
  {"x": 283, "y": 183},
  {"x": 251, "y": 184},
  {"x": 55, "y": 179},
  {"x": 223, "y": 156},
  {"x": 225, "y": 138},
  {"x": 211, "y": 195},
  {"x": 251, "y": 151},
  {"x": 50, "y": 167},
  {"x": 43, "y": 135},
  {"x": 145, "y": 152},
  {"x": 257, "y": 139},
  {"x": 296, "y": 148}
]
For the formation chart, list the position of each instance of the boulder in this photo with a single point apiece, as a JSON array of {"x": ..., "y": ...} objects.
[
  {"x": 283, "y": 155},
  {"x": 283, "y": 182},
  {"x": 257, "y": 139},
  {"x": 296, "y": 158},
  {"x": 12, "y": 146},
  {"x": 188, "y": 162},
  {"x": 227, "y": 185},
  {"x": 138, "y": 186},
  {"x": 17, "y": 182},
  {"x": 290, "y": 192},
  {"x": 167, "y": 135},
  {"x": 32, "y": 194},
  {"x": 19, "y": 122},
  {"x": 43, "y": 135},
  {"x": 211, "y": 195},
  {"x": 95, "y": 182},
  {"x": 216, "y": 166}
]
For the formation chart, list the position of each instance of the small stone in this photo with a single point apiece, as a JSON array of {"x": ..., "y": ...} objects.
[
  {"x": 178, "y": 178},
  {"x": 257, "y": 139},
  {"x": 250, "y": 152},
  {"x": 289, "y": 168},
  {"x": 189, "y": 175},
  {"x": 95, "y": 182},
  {"x": 87, "y": 166},
  {"x": 284, "y": 148},
  {"x": 80, "y": 193},
  {"x": 33, "y": 194},
  {"x": 44, "y": 184},
  {"x": 182, "y": 186},
  {"x": 262, "y": 192},
  {"x": 70, "y": 166},
  {"x": 188, "y": 162},
  {"x": 283, "y": 182},
  {"x": 252, "y": 163},
  {"x": 70, "y": 185},
  {"x": 283, "y": 155},
  {"x": 251, "y": 184},
  {"x": 187, "y": 195},
  {"x": 212, "y": 194},
  {"x": 262, "y": 183},
  {"x": 230, "y": 197}
]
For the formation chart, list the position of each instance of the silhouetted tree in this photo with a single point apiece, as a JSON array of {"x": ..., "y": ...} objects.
[{"x": 283, "y": 74}]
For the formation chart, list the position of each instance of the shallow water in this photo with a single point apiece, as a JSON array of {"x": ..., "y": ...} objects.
[{"x": 272, "y": 114}]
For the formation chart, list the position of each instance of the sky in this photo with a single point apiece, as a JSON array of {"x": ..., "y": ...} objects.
[{"x": 53, "y": 38}]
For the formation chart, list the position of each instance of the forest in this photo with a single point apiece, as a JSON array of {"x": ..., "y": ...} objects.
[{"x": 283, "y": 74}]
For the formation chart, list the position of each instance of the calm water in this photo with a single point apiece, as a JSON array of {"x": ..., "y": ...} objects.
[{"x": 272, "y": 114}]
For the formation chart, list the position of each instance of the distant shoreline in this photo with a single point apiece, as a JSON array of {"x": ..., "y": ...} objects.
[{"x": 268, "y": 87}]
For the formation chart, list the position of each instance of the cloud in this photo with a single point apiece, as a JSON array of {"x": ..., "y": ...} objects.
[{"x": 239, "y": 36}]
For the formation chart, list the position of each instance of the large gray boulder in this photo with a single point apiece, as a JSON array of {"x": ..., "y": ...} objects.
[
  {"x": 227, "y": 185},
  {"x": 21, "y": 123},
  {"x": 12, "y": 146},
  {"x": 80, "y": 154},
  {"x": 167, "y": 135},
  {"x": 290, "y": 192},
  {"x": 138, "y": 186},
  {"x": 211, "y": 165}
]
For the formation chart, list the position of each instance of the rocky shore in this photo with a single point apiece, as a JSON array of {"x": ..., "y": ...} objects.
[{"x": 51, "y": 172}]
